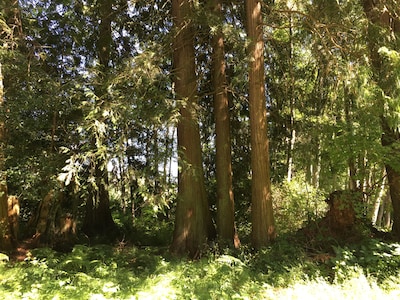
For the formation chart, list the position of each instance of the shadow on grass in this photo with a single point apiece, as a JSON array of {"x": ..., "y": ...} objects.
[{"x": 107, "y": 272}]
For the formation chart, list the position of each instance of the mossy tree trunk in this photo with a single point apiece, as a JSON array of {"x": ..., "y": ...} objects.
[{"x": 263, "y": 225}]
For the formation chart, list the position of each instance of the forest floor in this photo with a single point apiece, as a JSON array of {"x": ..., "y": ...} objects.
[
  {"x": 22, "y": 249},
  {"x": 295, "y": 266}
]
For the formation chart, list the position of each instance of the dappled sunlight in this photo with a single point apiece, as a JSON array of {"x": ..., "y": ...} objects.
[
  {"x": 159, "y": 287},
  {"x": 199, "y": 149},
  {"x": 283, "y": 271}
]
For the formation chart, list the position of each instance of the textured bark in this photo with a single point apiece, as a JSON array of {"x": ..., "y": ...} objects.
[
  {"x": 98, "y": 219},
  {"x": 193, "y": 225},
  {"x": 13, "y": 217},
  {"x": 263, "y": 227},
  {"x": 341, "y": 215},
  {"x": 225, "y": 198}
]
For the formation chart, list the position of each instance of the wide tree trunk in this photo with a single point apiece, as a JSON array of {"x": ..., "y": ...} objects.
[
  {"x": 263, "y": 226},
  {"x": 389, "y": 137},
  {"x": 225, "y": 198},
  {"x": 98, "y": 219},
  {"x": 381, "y": 14},
  {"x": 193, "y": 225}
]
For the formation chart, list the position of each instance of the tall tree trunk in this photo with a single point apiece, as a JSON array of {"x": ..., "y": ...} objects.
[
  {"x": 292, "y": 137},
  {"x": 387, "y": 215},
  {"x": 225, "y": 197},
  {"x": 12, "y": 16},
  {"x": 389, "y": 138},
  {"x": 263, "y": 225},
  {"x": 379, "y": 200},
  {"x": 352, "y": 184},
  {"x": 5, "y": 234},
  {"x": 379, "y": 14},
  {"x": 98, "y": 219},
  {"x": 193, "y": 221}
]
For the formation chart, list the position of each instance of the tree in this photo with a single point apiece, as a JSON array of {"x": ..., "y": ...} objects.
[
  {"x": 11, "y": 30},
  {"x": 225, "y": 197},
  {"x": 383, "y": 32},
  {"x": 263, "y": 227},
  {"x": 193, "y": 225},
  {"x": 98, "y": 217},
  {"x": 5, "y": 236}
]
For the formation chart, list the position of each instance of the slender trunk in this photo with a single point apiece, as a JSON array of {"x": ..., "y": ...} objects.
[
  {"x": 352, "y": 185},
  {"x": 314, "y": 168},
  {"x": 167, "y": 157},
  {"x": 263, "y": 225},
  {"x": 378, "y": 202},
  {"x": 225, "y": 198},
  {"x": 381, "y": 211},
  {"x": 387, "y": 214},
  {"x": 292, "y": 141},
  {"x": 193, "y": 224},
  {"x": 53, "y": 132},
  {"x": 292, "y": 137}
]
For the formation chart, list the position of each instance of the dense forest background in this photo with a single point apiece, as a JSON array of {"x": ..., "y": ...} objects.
[{"x": 191, "y": 124}]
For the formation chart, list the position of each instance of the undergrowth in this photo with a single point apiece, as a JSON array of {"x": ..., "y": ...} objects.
[{"x": 282, "y": 271}]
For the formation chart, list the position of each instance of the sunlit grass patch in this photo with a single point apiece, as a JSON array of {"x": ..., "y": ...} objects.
[
  {"x": 358, "y": 287},
  {"x": 281, "y": 271},
  {"x": 158, "y": 287}
]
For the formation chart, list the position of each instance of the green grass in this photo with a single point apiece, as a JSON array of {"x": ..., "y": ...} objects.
[{"x": 282, "y": 271}]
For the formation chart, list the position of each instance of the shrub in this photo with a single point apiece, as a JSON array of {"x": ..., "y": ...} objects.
[{"x": 296, "y": 202}]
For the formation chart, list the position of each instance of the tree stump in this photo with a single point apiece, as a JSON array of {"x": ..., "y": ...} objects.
[
  {"x": 13, "y": 217},
  {"x": 341, "y": 215},
  {"x": 55, "y": 226}
]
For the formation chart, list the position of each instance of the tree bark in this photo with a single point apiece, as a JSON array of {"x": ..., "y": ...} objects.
[
  {"x": 263, "y": 225},
  {"x": 193, "y": 226},
  {"x": 12, "y": 16},
  {"x": 98, "y": 219},
  {"x": 291, "y": 94},
  {"x": 225, "y": 198},
  {"x": 379, "y": 202},
  {"x": 378, "y": 13},
  {"x": 5, "y": 234}
]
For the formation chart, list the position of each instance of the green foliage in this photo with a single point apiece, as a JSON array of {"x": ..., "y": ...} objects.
[
  {"x": 375, "y": 258},
  {"x": 4, "y": 258},
  {"x": 107, "y": 272},
  {"x": 283, "y": 270},
  {"x": 296, "y": 202}
]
